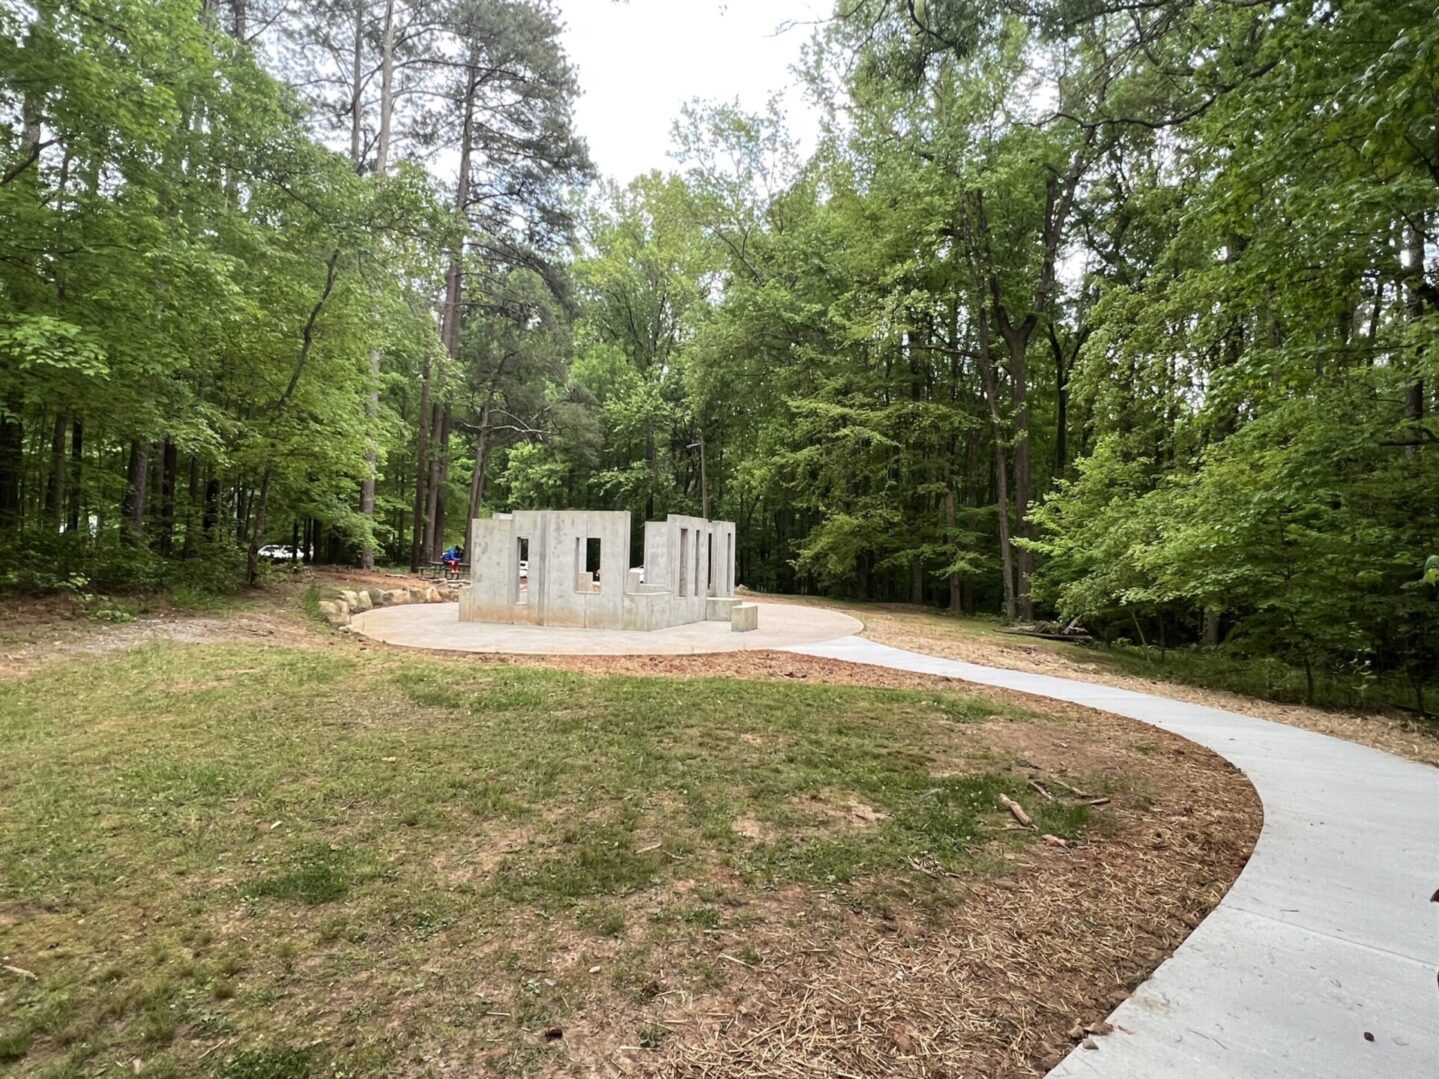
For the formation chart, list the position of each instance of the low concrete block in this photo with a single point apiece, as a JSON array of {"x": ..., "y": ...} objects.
[
  {"x": 719, "y": 608},
  {"x": 744, "y": 617}
]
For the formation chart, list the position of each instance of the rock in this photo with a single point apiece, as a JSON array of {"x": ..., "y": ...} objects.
[
  {"x": 349, "y": 599},
  {"x": 432, "y": 595},
  {"x": 377, "y": 597},
  {"x": 396, "y": 596},
  {"x": 417, "y": 595},
  {"x": 335, "y": 612},
  {"x": 362, "y": 602}
]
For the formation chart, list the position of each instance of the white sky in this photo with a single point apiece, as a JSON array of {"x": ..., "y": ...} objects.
[{"x": 639, "y": 61}]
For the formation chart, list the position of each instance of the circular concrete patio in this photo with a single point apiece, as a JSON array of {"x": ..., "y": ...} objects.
[{"x": 438, "y": 625}]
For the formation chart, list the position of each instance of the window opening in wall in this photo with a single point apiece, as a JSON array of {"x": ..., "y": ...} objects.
[
  {"x": 697, "y": 563},
  {"x": 684, "y": 561},
  {"x": 709, "y": 563},
  {"x": 587, "y": 565},
  {"x": 522, "y": 583},
  {"x": 729, "y": 564}
]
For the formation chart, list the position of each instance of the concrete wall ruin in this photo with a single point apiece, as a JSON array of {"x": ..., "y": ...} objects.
[{"x": 580, "y": 574}]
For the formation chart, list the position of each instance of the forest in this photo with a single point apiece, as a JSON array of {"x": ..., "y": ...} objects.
[{"x": 1117, "y": 310}]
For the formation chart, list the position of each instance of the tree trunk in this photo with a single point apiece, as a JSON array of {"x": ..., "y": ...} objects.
[
  {"x": 55, "y": 490},
  {"x": 211, "y": 515},
  {"x": 1001, "y": 461},
  {"x": 956, "y": 584},
  {"x": 477, "y": 480},
  {"x": 1414, "y": 310},
  {"x": 1017, "y": 341},
  {"x": 77, "y": 476},
  {"x": 169, "y": 465},
  {"x": 442, "y": 480},
  {"x": 438, "y": 423},
  {"x": 422, "y": 468},
  {"x": 382, "y": 157},
  {"x": 357, "y": 83},
  {"x": 1211, "y": 627},
  {"x": 916, "y": 579},
  {"x": 192, "y": 507},
  {"x": 132, "y": 507}
]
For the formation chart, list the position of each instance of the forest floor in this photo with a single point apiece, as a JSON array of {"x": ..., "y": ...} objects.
[
  {"x": 974, "y": 640},
  {"x": 240, "y": 844}
]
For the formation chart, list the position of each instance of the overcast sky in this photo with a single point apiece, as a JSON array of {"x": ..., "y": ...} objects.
[{"x": 639, "y": 61}]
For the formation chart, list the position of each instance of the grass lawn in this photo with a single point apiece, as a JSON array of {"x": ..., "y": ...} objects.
[{"x": 270, "y": 860}]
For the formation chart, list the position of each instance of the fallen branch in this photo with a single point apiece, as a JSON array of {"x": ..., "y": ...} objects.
[
  {"x": 1017, "y": 809},
  {"x": 1043, "y": 791},
  {"x": 22, "y": 972},
  {"x": 1072, "y": 790}
]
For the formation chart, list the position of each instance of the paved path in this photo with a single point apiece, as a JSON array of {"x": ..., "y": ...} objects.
[{"x": 1328, "y": 935}]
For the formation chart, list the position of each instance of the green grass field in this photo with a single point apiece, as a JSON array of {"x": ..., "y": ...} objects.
[{"x": 279, "y": 862}]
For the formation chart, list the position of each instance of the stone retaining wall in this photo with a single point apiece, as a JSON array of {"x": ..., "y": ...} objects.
[{"x": 338, "y": 608}]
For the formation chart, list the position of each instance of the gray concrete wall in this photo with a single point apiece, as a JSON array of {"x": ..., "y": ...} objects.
[
  {"x": 687, "y": 561},
  {"x": 569, "y": 595}
]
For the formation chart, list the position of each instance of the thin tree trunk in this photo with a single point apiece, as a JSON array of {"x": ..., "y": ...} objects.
[
  {"x": 956, "y": 584},
  {"x": 55, "y": 491},
  {"x": 432, "y": 497},
  {"x": 77, "y": 475},
  {"x": 132, "y": 507},
  {"x": 1001, "y": 462},
  {"x": 12, "y": 461},
  {"x": 169, "y": 465},
  {"x": 357, "y": 82},
  {"x": 192, "y": 508},
  {"x": 382, "y": 157},
  {"x": 1414, "y": 310},
  {"x": 422, "y": 468},
  {"x": 210, "y": 517},
  {"x": 442, "y": 477}
]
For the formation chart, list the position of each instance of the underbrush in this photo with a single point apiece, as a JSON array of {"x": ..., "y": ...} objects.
[
  {"x": 1267, "y": 677},
  {"x": 109, "y": 579}
]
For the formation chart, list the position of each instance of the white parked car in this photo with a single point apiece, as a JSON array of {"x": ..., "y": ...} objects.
[
  {"x": 524, "y": 569},
  {"x": 279, "y": 552}
]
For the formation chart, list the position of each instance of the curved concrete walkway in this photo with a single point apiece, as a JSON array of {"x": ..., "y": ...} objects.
[{"x": 1327, "y": 939}]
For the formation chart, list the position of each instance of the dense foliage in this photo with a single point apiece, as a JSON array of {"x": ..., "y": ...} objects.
[{"x": 1125, "y": 312}]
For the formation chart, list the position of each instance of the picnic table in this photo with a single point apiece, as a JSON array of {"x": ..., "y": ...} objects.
[{"x": 438, "y": 570}]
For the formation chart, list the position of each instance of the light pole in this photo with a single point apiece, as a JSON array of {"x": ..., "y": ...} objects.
[{"x": 704, "y": 479}]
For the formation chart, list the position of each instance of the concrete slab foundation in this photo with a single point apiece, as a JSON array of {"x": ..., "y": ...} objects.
[{"x": 436, "y": 625}]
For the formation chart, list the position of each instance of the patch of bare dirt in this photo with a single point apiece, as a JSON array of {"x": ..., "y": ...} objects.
[
  {"x": 754, "y": 829},
  {"x": 838, "y": 811}
]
